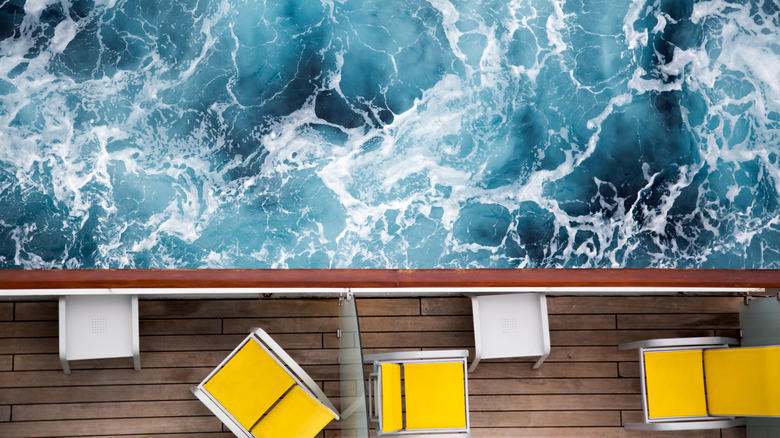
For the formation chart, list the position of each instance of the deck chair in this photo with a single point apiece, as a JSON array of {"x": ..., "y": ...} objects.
[
  {"x": 419, "y": 393},
  {"x": 702, "y": 383},
  {"x": 259, "y": 391}
]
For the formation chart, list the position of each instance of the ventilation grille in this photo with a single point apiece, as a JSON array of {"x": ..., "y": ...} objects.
[{"x": 99, "y": 326}]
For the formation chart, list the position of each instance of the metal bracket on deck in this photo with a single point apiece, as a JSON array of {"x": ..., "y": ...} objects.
[
  {"x": 345, "y": 296},
  {"x": 748, "y": 298}
]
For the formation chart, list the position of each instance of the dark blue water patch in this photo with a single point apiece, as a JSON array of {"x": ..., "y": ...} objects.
[
  {"x": 679, "y": 32},
  {"x": 333, "y": 108},
  {"x": 114, "y": 45},
  {"x": 11, "y": 16},
  {"x": 393, "y": 55},
  {"x": 652, "y": 196},
  {"x": 139, "y": 196},
  {"x": 283, "y": 88},
  {"x": 87, "y": 239},
  {"x": 687, "y": 200},
  {"x": 44, "y": 229},
  {"x": 483, "y": 224},
  {"x": 770, "y": 7},
  {"x": 532, "y": 231},
  {"x": 422, "y": 239},
  {"x": 526, "y": 138},
  {"x": 522, "y": 49},
  {"x": 646, "y": 137}
]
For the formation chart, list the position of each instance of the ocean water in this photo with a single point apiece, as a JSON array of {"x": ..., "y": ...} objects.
[{"x": 389, "y": 133}]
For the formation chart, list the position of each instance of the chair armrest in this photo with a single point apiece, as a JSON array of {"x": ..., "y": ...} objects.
[
  {"x": 414, "y": 355},
  {"x": 679, "y": 342},
  {"x": 686, "y": 425}
]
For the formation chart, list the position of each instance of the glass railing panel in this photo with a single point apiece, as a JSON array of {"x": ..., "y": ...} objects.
[{"x": 354, "y": 415}]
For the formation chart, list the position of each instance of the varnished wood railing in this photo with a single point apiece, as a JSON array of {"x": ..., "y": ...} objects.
[{"x": 386, "y": 278}]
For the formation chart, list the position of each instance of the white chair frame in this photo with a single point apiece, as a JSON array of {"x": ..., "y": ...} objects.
[
  {"x": 678, "y": 423},
  {"x": 408, "y": 357},
  {"x": 284, "y": 360}
]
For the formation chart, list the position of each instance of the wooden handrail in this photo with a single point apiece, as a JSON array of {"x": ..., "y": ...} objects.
[{"x": 385, "y": 278}]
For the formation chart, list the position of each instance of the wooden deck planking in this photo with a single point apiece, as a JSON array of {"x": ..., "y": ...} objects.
[
  {"x": 587, "y": 388},
  {"x": 6, "y": 311}
]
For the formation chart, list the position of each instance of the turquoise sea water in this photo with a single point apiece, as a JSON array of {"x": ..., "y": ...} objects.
[{"x": 389, "y": 134}]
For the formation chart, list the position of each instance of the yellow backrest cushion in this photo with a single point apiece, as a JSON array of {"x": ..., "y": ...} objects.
[
  {"x": 249, "y": 383},
  {"x": 298, "y": 415},
  {"x": 391, "y": 398},
  {"x": 675, "y": 384},
  {"x": 743, "y": 381},
  {"x": 435, "y": 395}
]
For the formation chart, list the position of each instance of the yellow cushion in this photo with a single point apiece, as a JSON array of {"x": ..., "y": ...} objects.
[
  {"x": 391, "y": 397},
  {"x": 743, "y": 381},
  {"x": 249, "y": 383},
  {"x": 298, "y": 415},
  {"x": 435, "y": 395},
  {"x": 675, "y": 384}
]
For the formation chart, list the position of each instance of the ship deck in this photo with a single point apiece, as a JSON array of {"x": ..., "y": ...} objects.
[{"x": 586, "y": 388}]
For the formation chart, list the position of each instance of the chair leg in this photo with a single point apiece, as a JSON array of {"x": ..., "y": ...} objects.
[
  {"x": 65, "y": 365},
  {"x": 474, "y": 363},
  {"x": 135, "y": 332},
  {"x": 540, "y": 361},
  {"x": 63, "y": 336}
]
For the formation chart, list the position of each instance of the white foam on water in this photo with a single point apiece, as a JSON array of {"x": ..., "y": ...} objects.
[
  {"x": 64, "y": 33},
  {"x": 35, "y": 7},
  {"x": 708, "y": 9},
  {"x": 634, "y": 38},
  {"x": 450, "y": 16},
  {"x": 556, "y": 23}
]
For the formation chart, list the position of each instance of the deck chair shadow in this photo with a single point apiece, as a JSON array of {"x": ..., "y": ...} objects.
[
  {"x": 703, "y": 383},
  {"x": 260, "y": 391},
  {"x": 419, "y": 393}
]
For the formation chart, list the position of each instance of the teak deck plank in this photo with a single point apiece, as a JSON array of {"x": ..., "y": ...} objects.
[
  {"x": 88, "y": 411},
  {"x": 660, "y": 321},
  {"x": 6, "y": 311},
  {"x": 109, "y": 427},
  {"x": 104, "y": 393},
  {"x": 590, "y": 386},
  {"x": 6, "y": 362},
  {"x": 643, "y": 304},
  {"x": 547, "y": 402},
  {"x": 586, "y": 388},
  {"x": 545, "y": 418}
]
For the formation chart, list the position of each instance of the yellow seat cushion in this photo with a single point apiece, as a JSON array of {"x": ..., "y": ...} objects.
[
  {"x": 675, "y": 384},
  {"x": 392, "y": 410},
  {"x": 435, "y": 395},
  {"x": 249, "y": 383},
  {"x": 743, "y": 381},
  {"x": 297, "y": 415}
]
